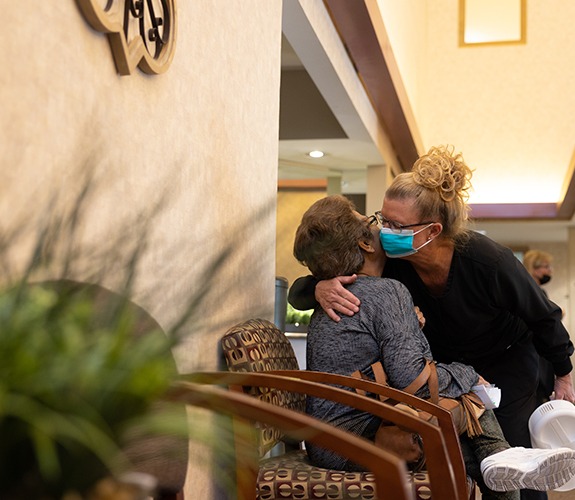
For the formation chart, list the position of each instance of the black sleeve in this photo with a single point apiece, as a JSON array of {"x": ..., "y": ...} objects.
[
  {"x": 517, "y": 291},
  {"x": 302, "y": 293}
]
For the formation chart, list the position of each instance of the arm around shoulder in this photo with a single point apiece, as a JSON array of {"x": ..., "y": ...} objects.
[{"x": 301, "y": 294}]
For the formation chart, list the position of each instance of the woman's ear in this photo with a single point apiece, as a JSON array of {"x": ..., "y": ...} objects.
[
  {"x": 366, "y": 246},
  {"x": 435, "y": 230}
]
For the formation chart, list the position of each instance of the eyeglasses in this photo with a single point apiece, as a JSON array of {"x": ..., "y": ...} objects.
[
  {"x": 396, "y": 227},
  {"x": 371, "y": 220}
]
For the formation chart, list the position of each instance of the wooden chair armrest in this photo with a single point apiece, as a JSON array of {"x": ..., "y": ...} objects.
[
  {"x": 445, "y": 422},
  {"x": 389, "y": 471},
  {"x": 443, "y": 416},
  {"x": 439, "y": 463}
]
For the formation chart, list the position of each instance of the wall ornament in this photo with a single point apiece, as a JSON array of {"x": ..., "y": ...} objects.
[{"x": 142, "y": 33}]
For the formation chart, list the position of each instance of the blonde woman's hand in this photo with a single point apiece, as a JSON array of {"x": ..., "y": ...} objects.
[
  {"x": 420, "y": 317},
  {"x": 334, "y": 298},
  {"x": 564, "y": 388}
]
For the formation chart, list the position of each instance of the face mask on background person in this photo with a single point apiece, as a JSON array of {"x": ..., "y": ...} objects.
[
  {"x": 398, "y": 245},
  {"x": 546, "y": 278}
]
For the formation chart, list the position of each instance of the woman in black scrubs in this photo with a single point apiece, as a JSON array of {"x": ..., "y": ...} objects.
[{"x": 481, "y": 306}]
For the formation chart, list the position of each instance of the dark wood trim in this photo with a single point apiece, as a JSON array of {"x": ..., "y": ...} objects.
[
  {"x": 514, "y": 211},
  {"x": 566, "y": 207},
  {"x": 563, "y": 210},
  {"x": 354, "y": 25}
]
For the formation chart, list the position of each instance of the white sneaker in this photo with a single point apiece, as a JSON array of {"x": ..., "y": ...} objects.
[{"x": 528, "y": 468}]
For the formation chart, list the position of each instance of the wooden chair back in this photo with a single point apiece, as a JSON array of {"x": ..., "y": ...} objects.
[{"x": 257, "y": 346}]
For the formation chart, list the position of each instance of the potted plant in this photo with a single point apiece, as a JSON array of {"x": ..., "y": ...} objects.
[
  {"x": 81, "y": 369},
  {"x": 297, "y": 321}
]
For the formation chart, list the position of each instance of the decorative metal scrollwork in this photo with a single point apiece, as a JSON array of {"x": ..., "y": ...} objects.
[{"x": 141, "y": 32}]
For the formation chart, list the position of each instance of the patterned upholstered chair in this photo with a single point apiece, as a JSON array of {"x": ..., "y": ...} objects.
[
  {"x": 389, "y": 471},
  {"x": 257, "y": 346}
]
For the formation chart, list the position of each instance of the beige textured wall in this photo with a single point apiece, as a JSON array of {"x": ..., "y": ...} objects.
[
  {"x": 203, "y": 136},
  {"x": 501, "y": 77}
]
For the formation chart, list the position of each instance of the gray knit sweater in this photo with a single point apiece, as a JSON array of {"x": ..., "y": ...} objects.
[{"x": 385, "y": 329}]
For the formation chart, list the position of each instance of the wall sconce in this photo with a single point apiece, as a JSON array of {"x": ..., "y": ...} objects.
[{"x": 484, "y": 22}]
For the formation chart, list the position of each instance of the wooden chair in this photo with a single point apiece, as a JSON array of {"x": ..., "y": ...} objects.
[
  {"x": 257, "y": 346},
  {"x": 388, "y": 471}
]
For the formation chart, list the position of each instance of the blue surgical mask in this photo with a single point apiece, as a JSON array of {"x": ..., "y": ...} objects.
[{"x": 398, "y": 245}]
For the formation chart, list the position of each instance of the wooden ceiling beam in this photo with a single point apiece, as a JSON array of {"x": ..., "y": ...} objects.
[
  {"x": 356, "y": 30},
  {"x": 566, "y": 207},
  {"x": 512, "y": 211}
]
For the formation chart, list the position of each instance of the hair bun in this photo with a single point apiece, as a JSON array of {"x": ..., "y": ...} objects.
[{"x": 444, "y": 171}]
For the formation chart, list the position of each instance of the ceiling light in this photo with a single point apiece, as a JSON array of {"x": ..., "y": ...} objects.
[{"x": 316, "y": 154}]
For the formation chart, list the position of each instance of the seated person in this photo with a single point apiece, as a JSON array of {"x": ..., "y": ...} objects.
[{"x": 335, "y": 240}]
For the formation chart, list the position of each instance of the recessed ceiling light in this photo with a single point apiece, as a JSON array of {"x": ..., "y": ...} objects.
[{"x": 316, "y": 154}]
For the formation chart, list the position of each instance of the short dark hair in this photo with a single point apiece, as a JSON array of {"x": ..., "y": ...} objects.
[{"x": 327, "y": 238}]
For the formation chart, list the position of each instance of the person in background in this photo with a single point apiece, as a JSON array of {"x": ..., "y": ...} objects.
[
  {"x": 539, "y": 265},
  {"x": 482, "y": 307},
  {"x": 334, "y": 239}
]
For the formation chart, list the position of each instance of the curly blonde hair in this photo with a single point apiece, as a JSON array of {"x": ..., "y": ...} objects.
[{"x": 438, "y": 183}]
